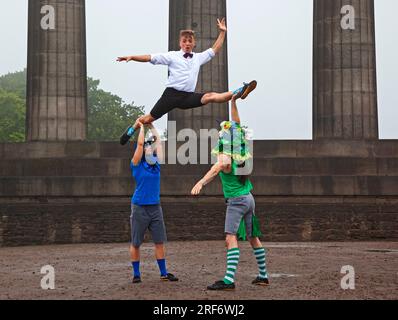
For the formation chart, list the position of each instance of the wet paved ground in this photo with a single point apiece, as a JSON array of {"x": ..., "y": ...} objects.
[{"x": 297, "y": 271}]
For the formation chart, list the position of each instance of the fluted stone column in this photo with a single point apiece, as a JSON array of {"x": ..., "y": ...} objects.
[
  {"x": 57, "y": 76},
  {"x": 201, "y": 16},
  {"x": 345, "y": 91}
]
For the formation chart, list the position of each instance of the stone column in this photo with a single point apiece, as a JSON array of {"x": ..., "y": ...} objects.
[
  {"x": 201, "y": 16},
  {"x": 57, "y": 71},
  {"x": 345, "y": 91}
]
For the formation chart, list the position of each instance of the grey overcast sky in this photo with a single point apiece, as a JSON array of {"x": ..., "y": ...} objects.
[{"x": 269, "y": 40}]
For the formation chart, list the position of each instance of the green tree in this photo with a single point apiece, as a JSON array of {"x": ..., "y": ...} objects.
[
  {"x": 14, "y": 82},
  {"x": 12, "y": 117},
  {"x": 108, "y": 114},
  {"x": 13, "y": 106}
]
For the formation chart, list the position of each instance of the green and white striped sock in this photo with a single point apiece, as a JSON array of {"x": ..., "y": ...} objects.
[
  {"x": 232, "y": 264},
  {"x": 260, "y": 254}
]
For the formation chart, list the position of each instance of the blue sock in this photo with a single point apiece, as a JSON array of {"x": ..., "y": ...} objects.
[
  {"x": 238, "y": 91},
  {"x": 162, "y": 267},
  {"x": 136, "y": 268},
  {"x": 130, "y": 132}
]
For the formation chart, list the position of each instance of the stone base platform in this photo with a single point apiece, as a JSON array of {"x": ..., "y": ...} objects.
[{"x": 305, "y": 191}]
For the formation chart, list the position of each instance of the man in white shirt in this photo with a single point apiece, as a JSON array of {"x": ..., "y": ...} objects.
[{"x": 184, "y": 67}]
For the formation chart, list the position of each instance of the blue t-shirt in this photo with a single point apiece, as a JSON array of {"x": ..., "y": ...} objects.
[{"x": 147, "y": 179}]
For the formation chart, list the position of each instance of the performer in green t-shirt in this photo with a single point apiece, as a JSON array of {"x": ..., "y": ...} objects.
[{"x": 233, "y": 153}]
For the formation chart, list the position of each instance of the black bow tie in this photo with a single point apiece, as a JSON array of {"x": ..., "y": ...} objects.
[{"x": 190, "y": 55}]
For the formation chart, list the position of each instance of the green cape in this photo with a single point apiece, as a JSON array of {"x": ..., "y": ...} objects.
[{"x": 256, "y": 233}]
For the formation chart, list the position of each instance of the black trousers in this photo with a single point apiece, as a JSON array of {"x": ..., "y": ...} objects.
[{"x": 172, "y": 99}]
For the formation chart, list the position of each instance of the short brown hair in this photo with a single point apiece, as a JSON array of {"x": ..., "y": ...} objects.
[{"x": 187, "y": 33}]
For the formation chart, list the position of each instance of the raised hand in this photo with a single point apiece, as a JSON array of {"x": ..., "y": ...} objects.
[
  {"x": 221, "y": 25},
  {"x": 121, "y": 59},
  {"x": 138, "y": 124},
  {"x": 235, "y": 97}
]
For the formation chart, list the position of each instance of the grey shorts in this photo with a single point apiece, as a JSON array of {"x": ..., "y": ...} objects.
[
  {"x": 147, "y": 218},
  {"x": 238, "y": 208}
]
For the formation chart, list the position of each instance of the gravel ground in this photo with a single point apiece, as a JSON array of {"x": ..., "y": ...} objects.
[{"x": 297, "y": 271}]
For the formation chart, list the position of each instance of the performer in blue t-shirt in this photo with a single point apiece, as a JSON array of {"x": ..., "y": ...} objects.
[{"x": 146, "y": 211}]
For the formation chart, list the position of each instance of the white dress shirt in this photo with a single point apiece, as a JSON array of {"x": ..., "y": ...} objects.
[{"x": 183, "y": 72}]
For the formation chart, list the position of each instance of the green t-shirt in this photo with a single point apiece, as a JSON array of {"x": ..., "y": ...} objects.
[{"x": 231, "y": 184}]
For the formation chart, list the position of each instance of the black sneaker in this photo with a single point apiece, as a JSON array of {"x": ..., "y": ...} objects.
[
  {"x": 261, "y": 282},
  {"x": 127, "y": 135},
  {"x": 137, "y": 280},
  {"x": 247, "y": 88},
  {"x": 170, "y": 277},
  {"x": 221, "y": 286}
]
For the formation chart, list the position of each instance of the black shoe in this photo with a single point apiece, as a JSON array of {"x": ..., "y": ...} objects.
[
  {"x": 137, "y": 280},
  {"x": 261, "y": 282},
  {"x": 170, "y": 277},
  {"x": 247, "y": 88},
  {"x": 221, "y": 286},
  {"x": 126, "y": 137}
]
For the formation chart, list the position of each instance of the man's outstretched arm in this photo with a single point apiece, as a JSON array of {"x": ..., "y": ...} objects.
[
  {"x": 223, "y": 163},
  {"x": 221, "y": 37},
  {"x": 157, "y": 147},
  {"x": 140, "y": 146},
  {"x": 142, "y": 58},
  {"x": 234, "y": 110}
]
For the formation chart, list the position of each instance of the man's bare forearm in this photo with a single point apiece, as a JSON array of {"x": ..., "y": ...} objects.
[
  {"x": 158, "y": 144},
  {"x": 219, "y": 42},
  {"x": 141, "y": 137},
  {"x": 141, "y": 58},
  {"x": 209, "y": 177},
  {"x": 140, "y": 147},
  {"x": 155, "y": 132},
  {"x": 235, "y": 112}
]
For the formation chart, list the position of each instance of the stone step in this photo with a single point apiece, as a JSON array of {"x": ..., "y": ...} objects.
[
  {"x": 65, "y": 167},
  {"x": 37, "y": 150},
  {"x": 262, "y": 148},
  {"x": 181, "y": 186},
  {"x": 108, "y": 167}
]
